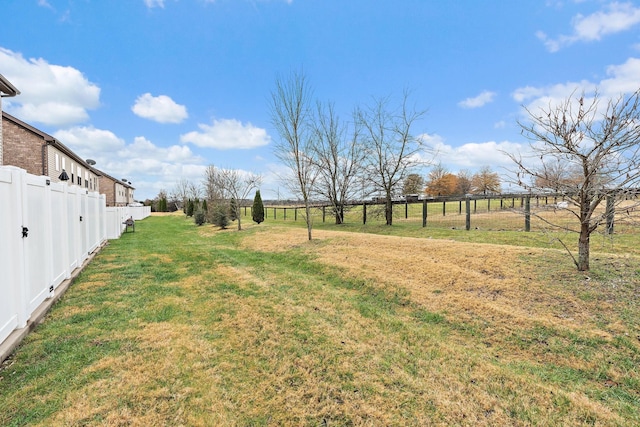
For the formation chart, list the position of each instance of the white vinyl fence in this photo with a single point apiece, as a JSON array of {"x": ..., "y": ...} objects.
[{"x": 47, "y": 230}]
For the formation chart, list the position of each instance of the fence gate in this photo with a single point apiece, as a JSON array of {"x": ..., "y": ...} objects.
[
  {"x": 36, "y": 216},
  {"x": 12, "y": 313}
]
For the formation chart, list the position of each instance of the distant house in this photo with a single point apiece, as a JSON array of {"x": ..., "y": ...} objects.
[
  {"x": 6, "y": 90},
  {"x": 39, "y": 153},
  {"x": 118, "y": 192}
]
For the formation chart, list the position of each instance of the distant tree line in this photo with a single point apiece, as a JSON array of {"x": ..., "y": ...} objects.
[{"x": 441, "y": 182}]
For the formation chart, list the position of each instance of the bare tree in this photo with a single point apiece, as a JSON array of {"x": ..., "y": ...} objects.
[
  {"x": 393, "y": 151},
  {"x": 180, "y": 193},
  {"x": 214, "y": 191},
  {"x": 290, "y": 116},
  {"x": 339, "y": 157},
  {"x": 194, "y": 191},
  {"x": 238, "y": 184},
  {"x": 600, "y": 142}
]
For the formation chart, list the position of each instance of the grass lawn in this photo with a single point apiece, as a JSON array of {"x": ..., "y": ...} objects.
[{"x": 183, "y": 325}]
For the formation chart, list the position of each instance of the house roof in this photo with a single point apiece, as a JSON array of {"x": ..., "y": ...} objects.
[
  {"x": 116, "y": 180},
  {"x": 6, "y": 88},
  {"x": 50, "y": 140}
]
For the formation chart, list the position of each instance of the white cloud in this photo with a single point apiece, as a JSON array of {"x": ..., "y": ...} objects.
[
  {"x": 161, "y": 109},
  {"x": 621, "y": 79},
  {"x": 143, "y": 148},
  {"x": 90, "y": 140},
  {"x": 616, "y": 18},
  {"x": 154, "y": 3},
  {"x": 475, "y": 155},
  {"x": 543, "y": 97},
  {"x": 484, "y": 98},
  {"x": 227, "y": 134},
  {"x": 50, "y": 94}
]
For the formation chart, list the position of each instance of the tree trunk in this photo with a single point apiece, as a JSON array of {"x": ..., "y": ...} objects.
[
  {"x": 583, "y": 248},
  {"x": 307, "y": 209},
  {"x": 338, "y": 218},
  {"x": 388, "y": 211}
]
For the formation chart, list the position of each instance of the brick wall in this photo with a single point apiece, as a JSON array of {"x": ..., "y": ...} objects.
[
  {"x": 107, "y": 187},
  {"x": 21, "y": 147}
]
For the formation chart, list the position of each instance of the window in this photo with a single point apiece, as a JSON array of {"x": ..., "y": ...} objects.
[
  {"x": 64, "y": 163},
  {"x": 57, "y": 156}
]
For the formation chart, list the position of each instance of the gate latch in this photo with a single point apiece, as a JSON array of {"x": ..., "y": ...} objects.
[{"x": 25, "y": 232}]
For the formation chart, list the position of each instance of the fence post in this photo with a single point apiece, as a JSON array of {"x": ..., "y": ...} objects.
[
  {"x": 364, "y": 213},
  {"x": 274, "y": 213},
  {"x": 323, "y": 214},
  {"x": 285, "y": 214},
  {"x": 406, "y": 209},
  {"x": 295, "y": 214},
  {"x": 444, "y": 208},
  {"x": 610, "y": 213},
  {"x": 460, "y": 207},
  {"x": 424, "y": 213},
  {"x": 467, "y": 205},
  {"x": 527, "y": 213}
]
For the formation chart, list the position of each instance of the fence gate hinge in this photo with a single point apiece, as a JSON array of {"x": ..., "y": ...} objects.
[
  {"x": 51, "y": 288},
  {"x": 25, "y": 232}
]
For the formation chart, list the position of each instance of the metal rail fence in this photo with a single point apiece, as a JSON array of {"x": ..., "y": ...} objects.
[{"x": 509, "y": 212}]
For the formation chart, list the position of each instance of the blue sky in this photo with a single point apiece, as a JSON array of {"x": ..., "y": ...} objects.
[{"x": 156, "y": 90}]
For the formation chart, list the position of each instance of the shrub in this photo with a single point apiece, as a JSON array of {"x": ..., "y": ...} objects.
[
  {"x": 257, "y": 211},
  {"x": 221, "y": 216},
  {"x": 199, "y": 217},
  {"x": 190, "y": 207},
  {"x": 233, "y": 209}
]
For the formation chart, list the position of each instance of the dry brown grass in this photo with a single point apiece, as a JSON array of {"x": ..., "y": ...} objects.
[{"x": 468, "y": 281}]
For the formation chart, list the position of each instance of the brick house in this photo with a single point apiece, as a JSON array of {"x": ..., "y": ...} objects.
[
  {"x": 6, "y": 90},
  {"x": 118, "y": 192},
  {"x": 41, "y": 154}
]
